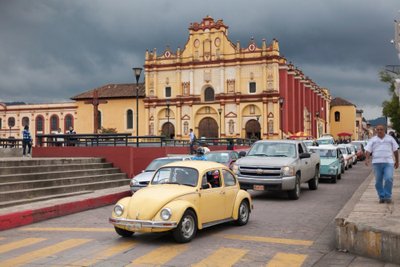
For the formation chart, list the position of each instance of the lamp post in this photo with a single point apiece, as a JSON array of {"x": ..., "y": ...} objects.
[
  {"x": 281, "y": 102},
  {"x": 137, "y": 72},
  {"x": 317, "y": 122},
  {"x": 168, "y": 130},
  {"x": 220, "y": 123}
]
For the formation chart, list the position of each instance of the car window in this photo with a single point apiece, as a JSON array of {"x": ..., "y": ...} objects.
[
  {"x": 271, "y": 149},
  {"x": 229, "y": 179},
  {"x": 157, "y": 163},
  {"x": 213, "y": 178},
  {"x": 176, "y": 175}
]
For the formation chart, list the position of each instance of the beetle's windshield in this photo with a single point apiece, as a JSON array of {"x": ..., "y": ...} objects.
[{"x": 176, "y": 175}]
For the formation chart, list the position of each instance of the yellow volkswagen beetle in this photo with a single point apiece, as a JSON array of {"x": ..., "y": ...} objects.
[{"x": 183, "y": 197}]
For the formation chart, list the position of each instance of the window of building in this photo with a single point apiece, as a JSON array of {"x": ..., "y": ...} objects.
[
  {"x": 270, "y": 126},
  {"x": 252, "y": 87},
  {"x": 186, "y": 128},
  {"x": 39, "y": 124},
  {"x": 54, "y": 123},
  {"x": 25, "y": 121},
  {"x": 129, "y": 119},
  {"x": 99, "y": 126},
  {"x": 337, "y": 116},
  {"x": 357, "y": 124},
  {"x": 209, "y": 94},
  {"x": 68, "y": 121},
  {"x": 168, "y": 91},
  {"x": 11, "y": 122}
]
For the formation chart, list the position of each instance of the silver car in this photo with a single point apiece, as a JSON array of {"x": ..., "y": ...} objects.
[{"x": 142, "y": 179}]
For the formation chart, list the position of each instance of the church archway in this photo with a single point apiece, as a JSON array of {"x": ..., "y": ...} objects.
[
  {"x": 168, "y": 130},
  {"x": 208, "y": 128},
  {"x": 253, "y": 129}
]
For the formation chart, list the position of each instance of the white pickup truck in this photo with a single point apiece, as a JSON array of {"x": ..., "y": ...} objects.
[{"x": 278, "y": 165}]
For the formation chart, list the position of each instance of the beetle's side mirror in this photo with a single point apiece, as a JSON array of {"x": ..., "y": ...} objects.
[{"x": 242, "y": 154}]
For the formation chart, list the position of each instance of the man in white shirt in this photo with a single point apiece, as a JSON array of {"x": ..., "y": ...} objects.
[{"x": 383, "y": 147}]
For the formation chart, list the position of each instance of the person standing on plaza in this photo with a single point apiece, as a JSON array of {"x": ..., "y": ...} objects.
[
  {"x": 71, "y": 141},
  {"x": 26, "y": 141},
  {"x": 192, "y": 140},
  {"x": 383, "y": 147}
]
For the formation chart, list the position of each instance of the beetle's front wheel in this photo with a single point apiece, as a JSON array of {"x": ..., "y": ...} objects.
[
  {"x": 123, "y": 232},
  {"x": 186, "y": 229}
]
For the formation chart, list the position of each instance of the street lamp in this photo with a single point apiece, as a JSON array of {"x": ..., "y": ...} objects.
[
  {"x": 168, "y": 131},
  {"x": 281, "y": 102},
  {"x": 137, "y": 72},
  {"x": 220, "y": 123}
]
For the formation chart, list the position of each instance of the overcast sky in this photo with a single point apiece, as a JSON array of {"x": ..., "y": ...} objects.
[{"x": 53, "y": 50}]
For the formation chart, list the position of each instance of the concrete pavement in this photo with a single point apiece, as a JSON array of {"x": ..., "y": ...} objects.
[{"x": 367, "y": 228}]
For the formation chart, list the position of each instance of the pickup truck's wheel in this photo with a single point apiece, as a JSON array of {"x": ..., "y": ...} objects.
[
  {"x": 313, "y": 183},
  {"x": 243, "y": 213},
  {"x": 295, "y": 193},
  {"x": 123, "y": 232},
  {"x": 334, "y": 179},
  {"x": 186, "y": 229}
]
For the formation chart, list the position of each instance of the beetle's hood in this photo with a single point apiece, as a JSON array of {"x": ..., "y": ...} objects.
[
  {"x": 145, "y": 203},
  {"x": 265, "y": 161},
  {"x": 327, "y": 161},
  {"x": 144, "y": 176}
]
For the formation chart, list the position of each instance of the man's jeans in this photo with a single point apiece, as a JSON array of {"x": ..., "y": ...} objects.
[{"x": 384, "y": 179}]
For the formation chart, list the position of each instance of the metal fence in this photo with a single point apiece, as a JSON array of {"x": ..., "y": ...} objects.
[
  {"x": 126, "y": 139},
  {"x": 10, "y": 142}
]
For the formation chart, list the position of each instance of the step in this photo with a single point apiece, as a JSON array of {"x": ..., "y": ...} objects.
[
  {"x": 54, "y": 190},
  {"x": 37, "y": 199},
  {"x": 58, "y": 174},
  {"x": 54, "y": 167},
  {"x": 46, "y": 161},
  {"x": 23, "y": 185}
]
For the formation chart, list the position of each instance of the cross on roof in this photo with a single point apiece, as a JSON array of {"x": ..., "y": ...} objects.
[{"x": 95, "y": 102}]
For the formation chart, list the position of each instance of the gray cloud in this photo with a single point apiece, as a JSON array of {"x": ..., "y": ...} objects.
[{"x": 52, "y": 50}]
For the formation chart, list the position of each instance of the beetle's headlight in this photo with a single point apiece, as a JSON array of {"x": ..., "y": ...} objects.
[
  {"x": 288, "y": 171},
  {"x": 165, "y": 214},
  {"x": 118, "y": 209},
  {"x": 235, "y": 168}
]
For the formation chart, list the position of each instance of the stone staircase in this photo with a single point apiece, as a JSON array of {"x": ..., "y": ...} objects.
[{"x": 28, "y": 180}]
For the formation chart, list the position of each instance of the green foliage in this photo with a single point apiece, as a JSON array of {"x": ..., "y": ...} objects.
[
  {"x": 391, "y": 109},
  {"x": 108, "y": 130}
]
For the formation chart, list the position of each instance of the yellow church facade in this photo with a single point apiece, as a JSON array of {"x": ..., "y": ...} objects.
[{"x": 221, "y": 89}]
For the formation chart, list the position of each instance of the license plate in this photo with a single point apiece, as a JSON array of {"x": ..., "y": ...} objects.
[
  {"x": 258, "y": 187},
  {"x": 135, "y": 226}
]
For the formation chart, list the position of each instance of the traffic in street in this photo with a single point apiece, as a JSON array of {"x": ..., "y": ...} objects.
[{"x": 280, "y": 232}]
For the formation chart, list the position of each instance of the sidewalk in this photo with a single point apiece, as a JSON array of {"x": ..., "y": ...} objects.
[{"x": 367, "y": 228}]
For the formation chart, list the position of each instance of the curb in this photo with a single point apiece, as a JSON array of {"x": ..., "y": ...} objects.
[{"x": 25, "y": 217}]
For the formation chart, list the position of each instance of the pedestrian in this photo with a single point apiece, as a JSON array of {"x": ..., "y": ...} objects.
[
  {"x": 59, "y": 140},
  {"x": 231, "y": 145},
  {"x": 192, "y": 141},
  {"x": 71, "y": 140},
  {"x": 205, "y": 147},
  {"x": 26, "y": 141},
  {"x": 383, "y": 147},
  {"x": 392, "y": 134},
  {"x": 199, "y": 154}
]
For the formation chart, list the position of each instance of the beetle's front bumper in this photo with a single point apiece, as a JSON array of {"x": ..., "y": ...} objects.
[{"x": 142, "y": 225}]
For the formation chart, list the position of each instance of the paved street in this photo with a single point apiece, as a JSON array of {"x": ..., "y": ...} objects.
[{"x": 280, "y": 232}]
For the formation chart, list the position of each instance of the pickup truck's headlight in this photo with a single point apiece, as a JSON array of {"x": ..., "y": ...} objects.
[
  {"x": 165, "y": 214},
  {"x": 235, "y": 168},
  {"x": 288, "y": 171},
  {"x": 118, "y": 209}
]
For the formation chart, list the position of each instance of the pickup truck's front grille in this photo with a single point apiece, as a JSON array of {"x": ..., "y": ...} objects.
[{"x": 260, "y": 171}]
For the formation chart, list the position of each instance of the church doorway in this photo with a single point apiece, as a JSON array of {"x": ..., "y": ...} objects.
[
  {"x": 208, "y": 128},
  {"x": 253, "y": 129},
  {"x": 168, "y": 130}
]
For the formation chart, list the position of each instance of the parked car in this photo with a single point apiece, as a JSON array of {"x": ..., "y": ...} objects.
[
  {"x": 326, "y": 140},
  {"x": 309, "y": 143},
  {"x": 332, "y": 162},
  {"x": 353, "y": 152},
  {"x": 280, "y": 165},
  {"x": 360, "y": 150},
  {"x": 348, "y": 157},
  {"x": 142, "y": 179},
  {"x": 183, "y": 197},
  {"x": 225, "y": 157}
]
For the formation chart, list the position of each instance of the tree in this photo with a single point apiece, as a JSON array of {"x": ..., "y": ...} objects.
[{"x": 391, "y": 109}]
